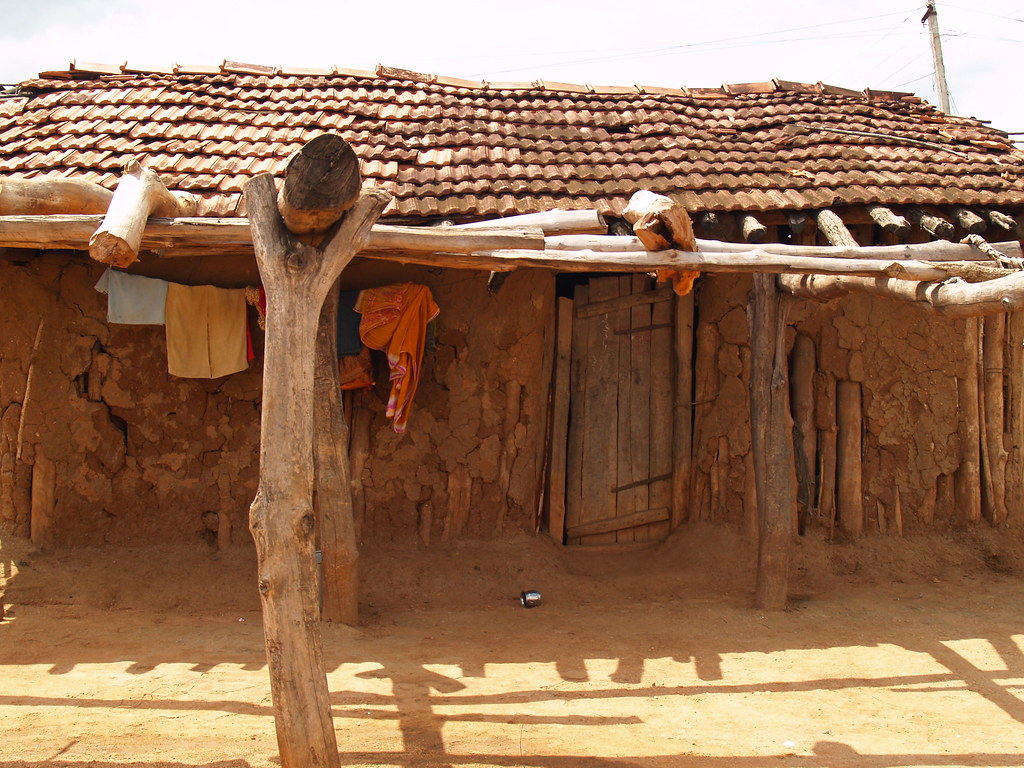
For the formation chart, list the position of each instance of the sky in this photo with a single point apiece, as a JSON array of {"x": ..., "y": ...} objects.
[{"x": 879, "y": 44}]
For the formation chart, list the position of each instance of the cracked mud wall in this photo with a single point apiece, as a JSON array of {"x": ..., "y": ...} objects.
[
  {"x": 906, "y": 364},
  {"x": 114, "y": 449}
]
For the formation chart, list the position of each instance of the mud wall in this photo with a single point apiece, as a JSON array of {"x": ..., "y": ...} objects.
[
  {"x": 108, "y": 447},
  {"x": 907, "y": 364}
]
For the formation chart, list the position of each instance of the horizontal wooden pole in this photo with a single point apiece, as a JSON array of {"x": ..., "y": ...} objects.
[
  {"x": 755, "y": 260},
  {"x": 617, "y": 523},
  {"x": 1003, "y": 294},
  {"x": 505, "y": 249}
]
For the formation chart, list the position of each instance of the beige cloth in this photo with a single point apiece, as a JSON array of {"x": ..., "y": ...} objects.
[{"x": 205, "y": 331}]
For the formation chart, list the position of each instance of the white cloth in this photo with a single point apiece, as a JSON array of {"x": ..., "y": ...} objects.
[{"x": 133, "y": 299}]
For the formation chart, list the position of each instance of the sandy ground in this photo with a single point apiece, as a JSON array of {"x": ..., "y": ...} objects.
[{"x": 895, "y": 653}]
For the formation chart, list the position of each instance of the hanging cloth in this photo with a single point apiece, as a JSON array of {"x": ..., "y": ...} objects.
[
  {"x": 395, "y": 321},
  {"x": 205, "y": 331},
  {"x": 133, "y": 299},
  {"x": 348, "y": 324}
]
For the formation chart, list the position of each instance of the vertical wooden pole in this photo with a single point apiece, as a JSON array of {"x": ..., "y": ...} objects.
[
  {"x": 967, "y": 478},
  {"x": 825, "y": 421},
  {"x": 995, "y": 452},
  {"x": 560, "y": 421},
  {"x": 682, "y": 426},
  {"x": 1014, "y": 437},
  {"x": 339, "y": 553},
  {"x": 771, "y": 441},
  {"x": 805, "y": 436},
  {"x": 850, "y": 495},
  {"x": 297, "y": 277}
]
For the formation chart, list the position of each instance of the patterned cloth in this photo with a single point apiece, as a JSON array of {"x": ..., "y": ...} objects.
[{"x": 395, "y": 321}]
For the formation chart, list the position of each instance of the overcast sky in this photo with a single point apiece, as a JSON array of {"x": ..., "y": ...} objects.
[{"x": 879, "y": 44}]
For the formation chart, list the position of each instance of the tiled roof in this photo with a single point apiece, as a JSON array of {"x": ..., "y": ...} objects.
[{"x": 455, "y": 148}]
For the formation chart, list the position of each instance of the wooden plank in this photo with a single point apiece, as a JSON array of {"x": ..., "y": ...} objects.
[
  {"x": 44, "y": 485},
  {"x": 560, "y": 421},
  {"x": 849, "y": 495},
  {"x": 682, "y": 408},
  {"x": 638, "y": 433},
  {"x": 600, "y": 432},
  {"x": 612, "y": 524},
  {"x": 626, "y": 501},
  {"x": 662, "y": 411},
  {"x": 626, "y": 301},
  {"x": 578, "y": 409}
]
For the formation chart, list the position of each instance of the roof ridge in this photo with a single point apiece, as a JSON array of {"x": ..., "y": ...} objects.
[{"x": 80, "y": 70}]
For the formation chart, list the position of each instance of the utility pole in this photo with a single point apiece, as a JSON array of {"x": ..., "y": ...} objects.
[{"x": 931, "y": 16}]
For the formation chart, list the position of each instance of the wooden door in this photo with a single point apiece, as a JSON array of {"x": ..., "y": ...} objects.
[{"x": 619, "y": 458}]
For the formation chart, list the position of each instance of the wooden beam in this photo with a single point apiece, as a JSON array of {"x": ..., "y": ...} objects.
[
  {"x": 1001, "y": 220},
  {"x": 936, "y": 226},
  {"x": 753, "y": 260},
  {"x": 139, "y": 195},
  {"x": 834, "y": 229},
  {"x": 890, "y": 222},
  {"x": 297, "y": 277},
  {"x": 553, "y": 222},
  {"x": 752, "y": 230},
  {"x": 432, "y": 245},
  {"x": 1004, "y": 294},
  {"x": 44, "y": 197},
  {"x": 969, "y": 221},
  {"x": 612, "y": 524},
  {"x": 796, "y": 221},
  {"x": 321, "y": 182},
  {"x": 560, "y": 420},
  {"x": 771, "y": 442},
  {"x": 660, "y": 222}
]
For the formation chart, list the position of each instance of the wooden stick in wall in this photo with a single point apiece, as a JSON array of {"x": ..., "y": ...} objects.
[{"x": 849, "y": 498}]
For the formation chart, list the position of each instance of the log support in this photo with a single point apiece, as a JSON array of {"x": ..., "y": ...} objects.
[
  {"x": 297, "y": 277},
  {"x": 936, "y": 226},
  {"x": 139, "y": 195},
  {"x": 890, "y": 223},
  {"x": 967, "y": 477},
  {"x": 833, "y": 228},
  {"x": 771, "y": 442},
  {"x": 752, "y": 230}
]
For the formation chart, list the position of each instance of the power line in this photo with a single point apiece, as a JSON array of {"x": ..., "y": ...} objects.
[{"x": 703, "y": 45}]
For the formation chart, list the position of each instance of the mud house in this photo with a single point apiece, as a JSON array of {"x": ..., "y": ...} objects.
[{"x": 572, "y": 394}]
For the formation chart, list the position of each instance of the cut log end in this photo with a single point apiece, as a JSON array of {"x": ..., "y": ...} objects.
[
  {"x": 322, "y": 181},
  {"x": 109, "y": 249}
]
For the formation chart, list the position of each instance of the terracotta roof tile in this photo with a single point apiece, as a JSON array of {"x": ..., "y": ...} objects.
[{"x": 455, "y": 147}]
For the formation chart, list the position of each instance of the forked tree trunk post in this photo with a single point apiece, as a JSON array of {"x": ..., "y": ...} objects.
[{"x": 297, "y": 277}]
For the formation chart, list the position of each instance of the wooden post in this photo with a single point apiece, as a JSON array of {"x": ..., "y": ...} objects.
[
  {"x": 771, "y": 441},
  {"x": 849, "y": 496},
  {"x": 805, "y": 436},
  {"x": 967, "y": 477},
  {"x": 339, "y": 556},
  {"x": 994, "y": 451},
  {"x": 682, "y": 427},
  {"x": 1014, "y": 438},
  {"x": 297, "y": 277},
  {"x": 825, "y": 421},
  {"x": 560, "y": 421}
]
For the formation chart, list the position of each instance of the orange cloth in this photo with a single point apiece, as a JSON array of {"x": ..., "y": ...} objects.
[
  {"x": 395, "y": 321},
  {"x": 682, "y": 280},
  {"x": 356, "y": 371}
]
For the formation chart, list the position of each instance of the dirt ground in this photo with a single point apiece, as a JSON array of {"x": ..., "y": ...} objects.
[{"x": 895, "y": 653}]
